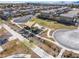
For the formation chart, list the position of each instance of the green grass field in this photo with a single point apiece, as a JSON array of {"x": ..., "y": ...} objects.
[
  {"x": 1, "y": 21},
  {"x": 52, "y": 24}
]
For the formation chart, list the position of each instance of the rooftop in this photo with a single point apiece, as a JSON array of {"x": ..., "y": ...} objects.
[
  {"x": 71, "y": 14},
  {"x": 29, "y": 24},
  {"x": 48, "y": 11},
  {"x": 22, "y": 19}
]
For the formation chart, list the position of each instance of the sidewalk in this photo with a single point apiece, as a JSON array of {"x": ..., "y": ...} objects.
[
  {"x": 36, "y": 49},
  {"x": 61, "y": 52}
]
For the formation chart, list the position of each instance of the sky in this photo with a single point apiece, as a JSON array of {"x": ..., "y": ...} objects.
[{"x": 33, "y": 0}]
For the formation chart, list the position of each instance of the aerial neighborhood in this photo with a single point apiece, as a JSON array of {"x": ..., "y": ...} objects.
[{"x": 39, "y": 30}]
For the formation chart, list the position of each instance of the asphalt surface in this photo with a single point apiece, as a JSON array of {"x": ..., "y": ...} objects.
[
  {"x": 22, "y": 19},
  {"x": 68, "y": 38}
]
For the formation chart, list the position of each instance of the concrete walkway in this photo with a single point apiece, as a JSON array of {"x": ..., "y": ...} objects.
[
  {"x": 48, "y": 33},
  {"x": 12, "y": 38},
  {"x": 19, "y": 56},
  {"x": 1, "y": 49},
  {"x": 43, "y": 38},
  {"x": 61, "y": 52},
  {"x": 36, "y": 49}
]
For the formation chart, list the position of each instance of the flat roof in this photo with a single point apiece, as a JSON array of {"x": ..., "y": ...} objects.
[
  {"x": 22, "y": 19},
  {"x": 30, "y": 24},
  {"x": 48, "y": 11},
  {"x": 71, "y": 14},
  {"x": 62, "y": 8}
]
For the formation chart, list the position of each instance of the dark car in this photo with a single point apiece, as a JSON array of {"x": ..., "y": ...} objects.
[{"x": 3, "y": 41}]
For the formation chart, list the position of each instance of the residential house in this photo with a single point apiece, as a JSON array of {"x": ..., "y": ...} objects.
[
  {"x": 48, "y": 14},
  {"x": 71, "y": 17}
]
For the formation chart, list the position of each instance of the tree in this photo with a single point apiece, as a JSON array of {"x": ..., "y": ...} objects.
[
  {"x": 31, "y": 41},
  {"x": 10, "y": 18}
]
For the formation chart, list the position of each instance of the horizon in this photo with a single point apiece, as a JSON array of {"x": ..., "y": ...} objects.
[{"x": 23, "y": 1}]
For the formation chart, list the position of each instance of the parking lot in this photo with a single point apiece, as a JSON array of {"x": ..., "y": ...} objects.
[
  {"x": 23, "y": 19},
  {"x": 69, "y": 40}
]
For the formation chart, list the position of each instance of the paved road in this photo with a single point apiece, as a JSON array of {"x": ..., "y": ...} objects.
[{"x": 37, "y": 50}]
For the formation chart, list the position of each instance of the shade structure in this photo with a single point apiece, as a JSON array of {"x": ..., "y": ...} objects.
[{"x": 67, "y": 38}]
